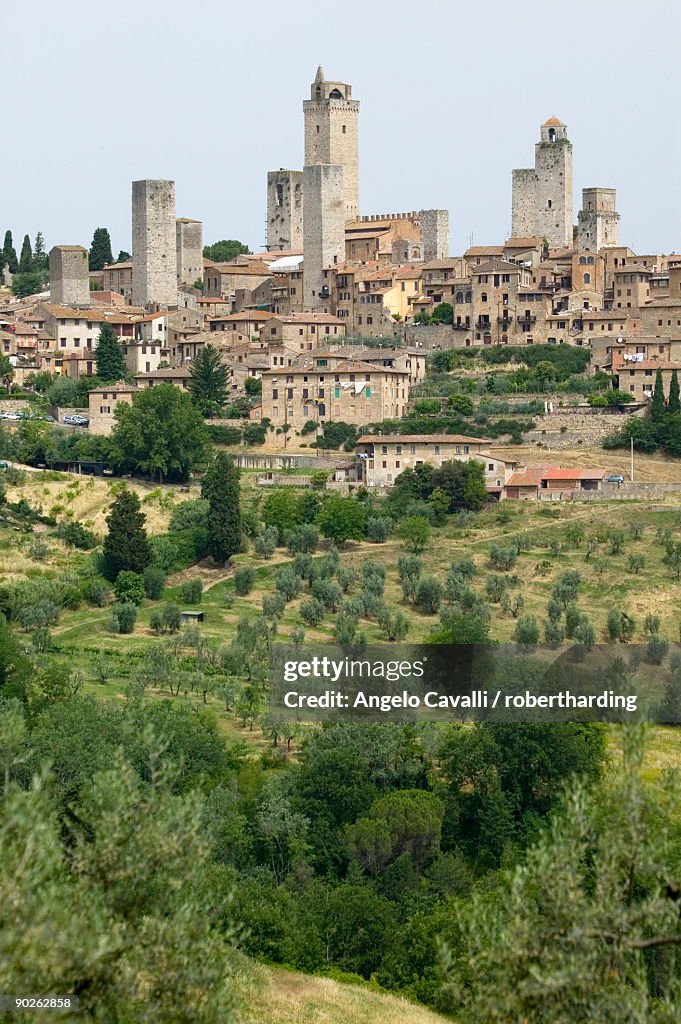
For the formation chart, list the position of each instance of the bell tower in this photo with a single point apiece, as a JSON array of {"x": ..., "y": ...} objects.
[{"x": 331, "y": 134}]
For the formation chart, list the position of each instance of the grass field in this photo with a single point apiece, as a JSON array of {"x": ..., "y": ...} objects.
[
  {"x": 282, "y": 997},
  {"x": 654, "y": 468}
]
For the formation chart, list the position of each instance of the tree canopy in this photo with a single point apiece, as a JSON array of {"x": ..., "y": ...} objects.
[
  {"x": 161, "y": 433},
  {"x": 126, "y": 546},
  {"x": 109, "y": 356},
  {"x": 220, "y": 488},
  {"x": 100, "y": 249},
  {"x": 224, "y": 250},
  {"x": 208, "y": 379}
]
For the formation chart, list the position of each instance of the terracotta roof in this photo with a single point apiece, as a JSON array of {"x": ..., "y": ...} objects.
[
  {"x": 651, "y": 364},
  {"x": 258, "y": 269},
  {"x": 252, "y": 314},
  {"x": 310, "y": 318},
  {"x": 442, "y": 264},
  {"x": 484, "y": 250},
  {"x": 176, "y": 371},
  {"x": 421, "y": 438},
  {"x": 492, "y": 265},
  {"x": 112, "y": 387},
  {"x": 530, "y": 477},
  {"x": 71, "y": 248},
  {"x": 522, "y": 243},
  {"x": 125, "y": 265},
  {"x": 570, "y": 473},
  {"x": 553, "y": 122}
]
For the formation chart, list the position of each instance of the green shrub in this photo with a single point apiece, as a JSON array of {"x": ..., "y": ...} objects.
[
  {"x": 191, "y": 591},
  {"x": 312, "y": 611},
  {"x": 154, "y": 582},
  {"x": 244, "y": 580},
  {"x": 172, "y": 618},
  {"x": 378, "y": 529},
  {"x": 428, "y": 597},
  {"x": 123, "y": 617},
  {"x": 129, "y": 588},
  {"x": 75, "y": 535}
]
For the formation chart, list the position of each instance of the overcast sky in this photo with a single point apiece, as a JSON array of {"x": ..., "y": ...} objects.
[{"x": 452, "y": 94}]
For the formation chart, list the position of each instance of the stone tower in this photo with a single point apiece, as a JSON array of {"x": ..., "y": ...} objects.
[
  {"x": 69, "y": 276},
  {"x": 434, "y": 234},
  {"x": 331, "y": 134},
  {"x": 542, "y": 196},
  {"x": 189, "y": 245},
  {"x": 598, "y": 220},
  {"x": 324, "y": 214},
  {"x": 284, "y": 209},
  {"x": 154, "y": 243}
]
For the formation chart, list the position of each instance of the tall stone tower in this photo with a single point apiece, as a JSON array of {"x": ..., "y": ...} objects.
[
  {"x": 154, "y": 243},
  {"x": 189, "y": 245},
  {"x": 69, "y": 276},
  {"x": 284, "y": 209},
  {"x": 598, "y": 220},
  {"x": 331, "y": 134},
  {"x": 542, "y": 196},
  {"x": 434, "y": 234},
  {"x": 324, "y": 215}
]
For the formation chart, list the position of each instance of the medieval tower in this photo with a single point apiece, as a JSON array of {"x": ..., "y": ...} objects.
[
  {"x": 284, "y": 209},
  {"x": 331, "y": 134},
  {"x": 69, "y": 276},
  {"x": 154, "y": 243},
  {"x": 598, "y": 219},
  {"x": 189, "y": 245},
  {"x": 324, "y": 230},
  {"x": 542, "y": 195}
]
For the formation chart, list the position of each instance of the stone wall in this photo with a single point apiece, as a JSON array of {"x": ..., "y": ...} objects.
[
  {"x": 523, "y": 202},
  {"x": 331, "y": 137},
  {"x": 628, "y": 492},
  {"x": 562, "y": 430},
  {"x": 257, "y": 460}
]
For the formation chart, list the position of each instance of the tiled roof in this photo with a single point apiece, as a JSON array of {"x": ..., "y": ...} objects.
[
  {"x": 311, "y": 318},
  {"x": 253, "y": 314},
  {"x": 176, "y": 372},
  {"x": 553, "y": 122},
  {"x": 484, "y": 250}
]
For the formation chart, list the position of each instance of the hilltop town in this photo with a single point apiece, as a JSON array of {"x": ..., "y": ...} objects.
[{"x": 340, "y": 317}]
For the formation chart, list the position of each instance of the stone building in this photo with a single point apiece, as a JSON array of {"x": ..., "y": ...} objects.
[
  {"x": 102, "y": 405},
  {"x": 331, "y": 135},
  {"x": 118, "y": 278},
  {"x": 381, "y": 458},
  {"x": 542, "y": 195},
  {"x": 69, "y": 276},
  {"x": 154, "y": 243},
  {"x": 638, "y": 378},
  {"x": 324, "y": 216},
  {"x": 284, "y": 210},
  {"x": 352, "y": 391},
  {"x": 598, "y": 220},
  {"x": 189, "y": 245},
  {"x": 303, "y": 332}
]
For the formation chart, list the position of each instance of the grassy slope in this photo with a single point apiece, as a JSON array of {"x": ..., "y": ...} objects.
[{"x": 282, "y": 997}]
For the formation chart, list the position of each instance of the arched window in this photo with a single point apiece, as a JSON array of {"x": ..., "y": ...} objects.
[
  {"x": 582, "y": 259},
  {"x": 459, "y": 296},
  {"x": 335, "y": 94},
  {"x": 483, "y": 297},
  {"x": 469, "y": 297},
  {"x": 552, "y": 134},
  {"x": 280, "y": 195},
  {"x": 590, "y": 259},
  {"x": 587, "y": 279}
]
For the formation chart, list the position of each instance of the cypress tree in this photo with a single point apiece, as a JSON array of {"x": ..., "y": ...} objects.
[
  {"x": 109, "y": 356},
  {"x": 674, "y": 403},
  {"x": 26, "y": 258},
  {"x": 41, "y": 260},
  {"x": 10, "y": 253},
  {"x": 220, "y": 488},
  {"x": 208, "y": 381},
  {"x": 657, "y": 408},
  {"x": 126, "y": 545},
  {"x": 100, "y": 250}
]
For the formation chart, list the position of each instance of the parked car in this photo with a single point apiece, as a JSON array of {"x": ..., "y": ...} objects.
[
  {"x": 76, "y": 421},
  {"x": 12, "y": 416},
  {"x": 616, "y": 478},
  {"x": 3, "y": 464}
]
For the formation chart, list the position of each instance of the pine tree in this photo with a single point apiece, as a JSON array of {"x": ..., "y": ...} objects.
[
  {"x": 100, "y": 250},
  {"x": 220, "y": 488},
  {"x": 10, "y": 253},
  {"x": 26, "y": 258},
  {"x": 126, "y": 545},
  {"x": 674, "y": 402},
  {"x": 208, "y": 381},
  {"x": 109, "y": 357},
  {"x": 658, "y": 407}
]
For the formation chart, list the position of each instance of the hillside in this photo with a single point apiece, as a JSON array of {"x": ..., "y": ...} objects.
[{"x": 288, "y": 998}]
